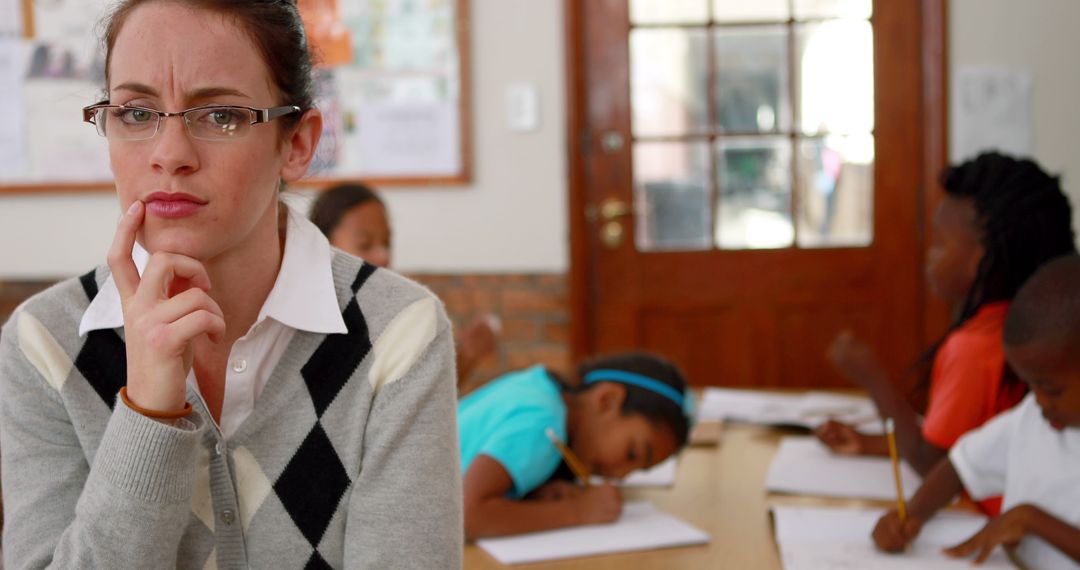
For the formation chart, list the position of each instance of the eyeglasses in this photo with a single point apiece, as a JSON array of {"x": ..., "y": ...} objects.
[{"x": 208, "y": 123}]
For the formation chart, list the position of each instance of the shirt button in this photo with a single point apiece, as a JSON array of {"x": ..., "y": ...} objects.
[
  {"x": 228, "y": 516},
  {"x": 239, "y": 365}
]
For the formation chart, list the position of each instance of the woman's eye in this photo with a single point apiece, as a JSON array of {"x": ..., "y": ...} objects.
[
  {"x": 135, "y": 116},
  {"x": 222, "y": 117},
  {"x": 632, "y": 455}
]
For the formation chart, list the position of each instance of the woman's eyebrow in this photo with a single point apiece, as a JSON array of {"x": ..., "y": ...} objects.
[{"x": 201, "y": 93}]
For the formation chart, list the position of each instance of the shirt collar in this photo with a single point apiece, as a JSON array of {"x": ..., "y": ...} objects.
[{"x": 303, "y": 296}]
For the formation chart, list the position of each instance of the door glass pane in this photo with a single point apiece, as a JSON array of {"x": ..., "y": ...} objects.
[
  {"x": 669, "y": 11},
  {"x": 836, "y": 187},
  {"x": 671, "y": 196},
  {"x": 836, "y": 71},
  {"x": 668, "y": 74},
  {"x": 752, "y": 80},
  {"x": 754, "y": 186},
  {"x": 725, "y": 11},
  {"x": 833, "y": 9}
]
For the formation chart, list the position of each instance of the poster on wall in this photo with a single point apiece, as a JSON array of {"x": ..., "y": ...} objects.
[{"x": 389, "y": 82}]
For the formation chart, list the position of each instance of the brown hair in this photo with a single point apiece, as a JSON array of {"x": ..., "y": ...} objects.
[
  {"x": 334, "y": 202},
  {"x": 275, "y": 28}
]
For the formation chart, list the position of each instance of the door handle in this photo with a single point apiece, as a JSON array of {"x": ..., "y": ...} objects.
[{"x": 613, "y": 209}]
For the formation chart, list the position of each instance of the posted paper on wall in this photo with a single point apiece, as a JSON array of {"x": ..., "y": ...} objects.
[{"x": 992, "y": 110}]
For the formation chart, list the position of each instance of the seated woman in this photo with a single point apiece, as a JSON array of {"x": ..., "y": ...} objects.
[{"x": 229, "y": 392}]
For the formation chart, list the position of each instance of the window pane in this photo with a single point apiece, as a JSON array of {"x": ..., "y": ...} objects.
[
  {"x": 725, "y": 11},
  {"x": 754, "y": 185},
  {"x": 671, "y": 196},
  {"x": 836, "y": 73},
  {"x": 752, "y": 80},
  {"x": 669, "y": 11},
  {"x": 833, "y": 9},
  {"x": 668, "y": 71},
  {"x": 836, "y": 186}
]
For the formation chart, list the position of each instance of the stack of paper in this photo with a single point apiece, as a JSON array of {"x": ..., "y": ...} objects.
[
  {"x": 808, "y": 410},
  {"x": 825, "y": 538},
  {"x": 641, "y": 527},
  {"x": 803, "y": 465}
]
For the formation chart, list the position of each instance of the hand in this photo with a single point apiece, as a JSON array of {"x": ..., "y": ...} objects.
[
  {"x": 164, "y": 311},
  {"x": 854, "y": 359},
  {"x": 599, "y": 504},
  {"x": 1006, "y": 530},
  {"x": 841, "y": 438},
  {"x": 891, "y": 535},
  {"x": 557, "y": 491}
]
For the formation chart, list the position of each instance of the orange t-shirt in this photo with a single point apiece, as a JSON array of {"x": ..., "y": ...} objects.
[{"x": 965, "y": 382}]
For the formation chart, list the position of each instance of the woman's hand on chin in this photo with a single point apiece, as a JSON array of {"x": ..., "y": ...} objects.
[{"x": 165, "y": 310}]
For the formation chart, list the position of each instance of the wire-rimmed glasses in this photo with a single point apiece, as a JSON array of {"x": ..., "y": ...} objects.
[{"x": 207, "y": 122}]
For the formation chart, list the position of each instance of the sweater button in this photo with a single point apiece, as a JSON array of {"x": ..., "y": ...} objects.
[{"x": 228, "y": 516}]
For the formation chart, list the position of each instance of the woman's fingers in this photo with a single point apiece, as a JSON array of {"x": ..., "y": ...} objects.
[
  {"x": 124, "y": 272},
  {"x": 184, "y": 304},
  {"x": 164, "y": 269},
  {"x": 179, "y": 334}
]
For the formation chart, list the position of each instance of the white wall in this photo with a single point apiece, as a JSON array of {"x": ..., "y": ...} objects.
[
  {"x": 512, "y": 218},
  {"x": 1038, "y": 36}
]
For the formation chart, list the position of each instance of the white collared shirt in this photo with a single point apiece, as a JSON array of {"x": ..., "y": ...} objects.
[{"x": 303, "y": 298}]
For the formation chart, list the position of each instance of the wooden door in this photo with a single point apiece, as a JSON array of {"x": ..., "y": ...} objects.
[{"x": 749, "y": 179}]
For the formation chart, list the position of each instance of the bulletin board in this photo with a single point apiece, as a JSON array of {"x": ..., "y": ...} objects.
[{"x": 391, "y": 81}]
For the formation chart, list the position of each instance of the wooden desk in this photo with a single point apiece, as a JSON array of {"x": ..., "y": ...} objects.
[{"x": 720, "y": 490}]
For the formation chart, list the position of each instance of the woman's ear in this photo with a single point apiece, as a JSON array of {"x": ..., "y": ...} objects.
[{"x": 300, "y": 147}]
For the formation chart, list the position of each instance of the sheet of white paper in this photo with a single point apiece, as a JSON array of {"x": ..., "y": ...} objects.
[
  {"x": 992, "y": 110},
  {"x": 401, "y": 139},
  {"x": 12, "y": 136},
  {"x": 826, "y": 538},
  {"x": 804, "y": 466},
  {"x": 10, "y": 18},
  {"x": 808, "y": 410},
  {"x": 661, "y": 475},
  {"x": 641, "y": 527}
]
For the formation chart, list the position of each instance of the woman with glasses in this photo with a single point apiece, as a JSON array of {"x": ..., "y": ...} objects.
[{"x": 228, "y": 392}]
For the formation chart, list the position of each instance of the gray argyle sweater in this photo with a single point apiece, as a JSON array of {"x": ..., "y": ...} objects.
[{"x": 349, "y": 459}]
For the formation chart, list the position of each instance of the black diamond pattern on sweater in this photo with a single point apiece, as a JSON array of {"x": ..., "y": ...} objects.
[
  {"x": 312, "y": 484},
  {"x": 339, "y": 354},
  {"x": 316, "y": 562},
  {"x": 103, "y": 357}
]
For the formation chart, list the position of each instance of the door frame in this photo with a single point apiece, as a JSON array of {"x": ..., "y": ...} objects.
[{"x": 934, "y": 135}]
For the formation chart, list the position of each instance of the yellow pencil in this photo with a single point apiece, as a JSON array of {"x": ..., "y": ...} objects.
[
  {"x": 901, "y": 505},
  {"x": 575, "y": 464}
]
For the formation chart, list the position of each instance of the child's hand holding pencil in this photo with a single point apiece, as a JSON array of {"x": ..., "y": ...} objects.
[{"x": 596, "y": 504}]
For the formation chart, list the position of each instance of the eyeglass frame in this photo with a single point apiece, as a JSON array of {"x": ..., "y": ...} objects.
[{"x": 261, "y": 115}]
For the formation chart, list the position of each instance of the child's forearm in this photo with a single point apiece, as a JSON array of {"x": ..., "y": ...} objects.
[
  {"x": 499, "y": 516},
  {"x": 1053, "y": 530},
  {"x": 939, "y": 487},
  {"x": 919, "y": 453}
]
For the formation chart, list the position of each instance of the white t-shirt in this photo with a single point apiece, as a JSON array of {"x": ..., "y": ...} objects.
[{"x": 1020, "y": 456}]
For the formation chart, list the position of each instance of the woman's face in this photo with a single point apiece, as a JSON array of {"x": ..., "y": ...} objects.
[
  {"x": 364, "y": 231},
  {"x": 953, "y": 260},
  {"x": 171, "y": 58}
]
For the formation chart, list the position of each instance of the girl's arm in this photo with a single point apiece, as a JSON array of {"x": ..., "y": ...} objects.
[
  {"x": 857, "y": 361},
  {"x": 1013, "y": 525},
  {"x": 488, "y": 512}
]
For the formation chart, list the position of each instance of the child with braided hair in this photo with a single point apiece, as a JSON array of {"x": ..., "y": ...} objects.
[{"x": 1001, "y": 218}]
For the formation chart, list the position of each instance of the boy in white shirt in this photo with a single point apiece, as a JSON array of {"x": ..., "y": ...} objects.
[{"x": 1030, "y": 454}]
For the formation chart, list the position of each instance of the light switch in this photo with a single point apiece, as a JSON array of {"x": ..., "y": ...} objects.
[{"x": 522, "y": 107}]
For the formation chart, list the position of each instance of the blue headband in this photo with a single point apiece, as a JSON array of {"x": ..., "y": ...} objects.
[{"x": 650, "y": 384}]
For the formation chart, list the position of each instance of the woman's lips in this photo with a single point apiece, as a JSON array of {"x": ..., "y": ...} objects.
[{"x": 173, "y": 205}]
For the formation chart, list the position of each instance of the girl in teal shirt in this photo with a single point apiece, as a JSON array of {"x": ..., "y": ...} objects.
[{"x": 626, "y": 412}]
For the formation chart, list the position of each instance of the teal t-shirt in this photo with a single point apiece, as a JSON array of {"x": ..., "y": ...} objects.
[{"x": 507, "y": 420}]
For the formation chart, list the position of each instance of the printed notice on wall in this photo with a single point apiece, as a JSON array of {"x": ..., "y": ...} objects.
[{"x": 992, "y": 110}]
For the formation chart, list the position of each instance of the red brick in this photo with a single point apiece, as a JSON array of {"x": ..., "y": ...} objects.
[
  {"x": 525, "y": 302},
  {"x": 555, "y": 357},
  {"x": 519, "y": 330},
  {"x": 557, "y": 333}
]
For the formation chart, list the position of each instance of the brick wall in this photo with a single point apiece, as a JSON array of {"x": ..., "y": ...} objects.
[{"x": 532, "y": 307}]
